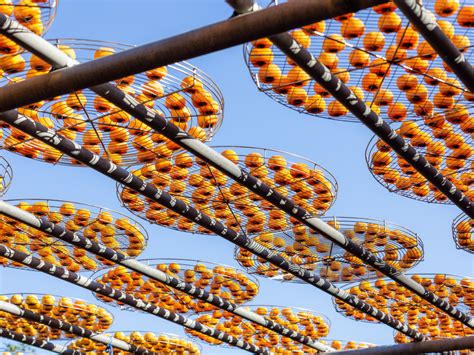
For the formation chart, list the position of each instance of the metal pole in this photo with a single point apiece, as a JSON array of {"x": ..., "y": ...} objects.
[
  {"x": 58, "y": 59},
  {"x": 96, "y": 287},
  {"x": 70, "y": 328},
  {"x": 364, "y": 113},
  {"x": 425, "y": 22},
  {"x": 359, "y": 109},
  {"x": 204, "y": 40},
  {"x": 37, "y": 343},
  {"x": 123, "y": 176},
  {"x": 432, "y": 346},
  {"x": 117, "y": 257}
]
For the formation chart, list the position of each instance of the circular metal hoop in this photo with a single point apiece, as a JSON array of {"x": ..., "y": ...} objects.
[
  {"x": 395, "y": 244},
  {"x": 304, "y": 321},
  {"x": 377, "y": 54},
  {"x": 401, "y": 303},
  {"x": 188, "y": 178},
  {"x": 224, "y": 281},
  {"x": 70, "y": 310},
  {"x": 180, "y": 93},
  {"x": 113, "y": 229},
  {"x": 160, "y": 343},
  {"x": 6, "y": 176},
  {"x": 446, "y": 145},
  {"x": 462, "y": 233}
]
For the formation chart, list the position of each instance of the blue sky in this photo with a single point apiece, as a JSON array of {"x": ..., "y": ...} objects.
[{"x": 250, "y": 118}]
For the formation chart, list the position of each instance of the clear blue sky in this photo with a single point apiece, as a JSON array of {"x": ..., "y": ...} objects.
[{"x": 252, "y": 119}]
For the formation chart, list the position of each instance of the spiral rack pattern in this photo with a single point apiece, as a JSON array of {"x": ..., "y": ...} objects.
[
  {"x": 224, "y": 281},
  {"x": 445, "y": 141},
  {"x": 307, "y": 322},
  {"x": 378, "y": 55},
  {"x": 190, "y": 179},
  {"x": 180, "y": 93},
  {"x": 6, "y": 175},
  {"x": 395, "y": 244},
  {"x": 161, "y": 343},
  {"x": 404, "y": 305},
  {"x": 66, "y": 309},
  {"x": 113, "y": 229},
  {"x": 462, "y": 233}
]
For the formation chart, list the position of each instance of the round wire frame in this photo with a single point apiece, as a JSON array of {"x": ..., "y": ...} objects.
[
  {"x": 409, "y": 308},
  {"x": 226, "y": 282},
  {"x": 180, "y": 93},
  {"x": 110, "y": 228},
  {"x": 6, "y": 176},
  {"x": 36, "y": 16},
  {"x": 366, "y": 62},
  {"x": 462, "y": 233},
  {"x": 188, "y": 178},
  {"x": 307, "y": 322},
  {"x": 67, "y": 309},
  {"x": 447, "y": 146},
  {"x": 396, "y": 245},
  {"x": 160, "y": 343}
]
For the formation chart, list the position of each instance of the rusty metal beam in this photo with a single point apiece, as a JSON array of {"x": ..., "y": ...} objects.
[{"x": 195, "y": 43}]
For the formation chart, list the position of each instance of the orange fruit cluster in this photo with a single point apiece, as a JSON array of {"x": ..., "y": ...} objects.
[
  {"x": 346, "y": 344},
  {"x": 66, "y": 309},
  {"x": 223, "y": 281},
  {"x": 166, "y": 344},
  {"x": 376, "y": 53},
  {"x": 462, "y": 232},
  {"x": 209, "y": 190},
  {"x": 179, "y": 93},
  {"x": 446, "y": 143},
  {"x": 36, "y": 15},
  {"x": 411, "y": 309},
  {"x": 396, "y": 245},
  {"x": 303, "y": 321},
  {"x": 109, "y": 228}
]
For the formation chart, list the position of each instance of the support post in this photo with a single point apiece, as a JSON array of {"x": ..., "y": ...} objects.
[{"x": 59, "y": 232}]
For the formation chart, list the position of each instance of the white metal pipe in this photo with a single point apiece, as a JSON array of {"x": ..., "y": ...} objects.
[
  {"x": 101, "y": 338},
  {"x": 158, "y": 275}
]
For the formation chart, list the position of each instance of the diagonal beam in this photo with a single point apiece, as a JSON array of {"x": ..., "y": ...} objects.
[
  {"x": 59, "y": 232},
  {"x": 70, "y": 328},
  {"x": 64, "y": 274},
  {"x": 188, "y": 45},
  {"x": 425, "y": 22},
  {"x": 37, "y": 343},
  {"x": 58, "y": 59},
  {"x": 331, "y": 83},
  {"x": 124, "y": 177},
  {"x": 367, "y": 116}
]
